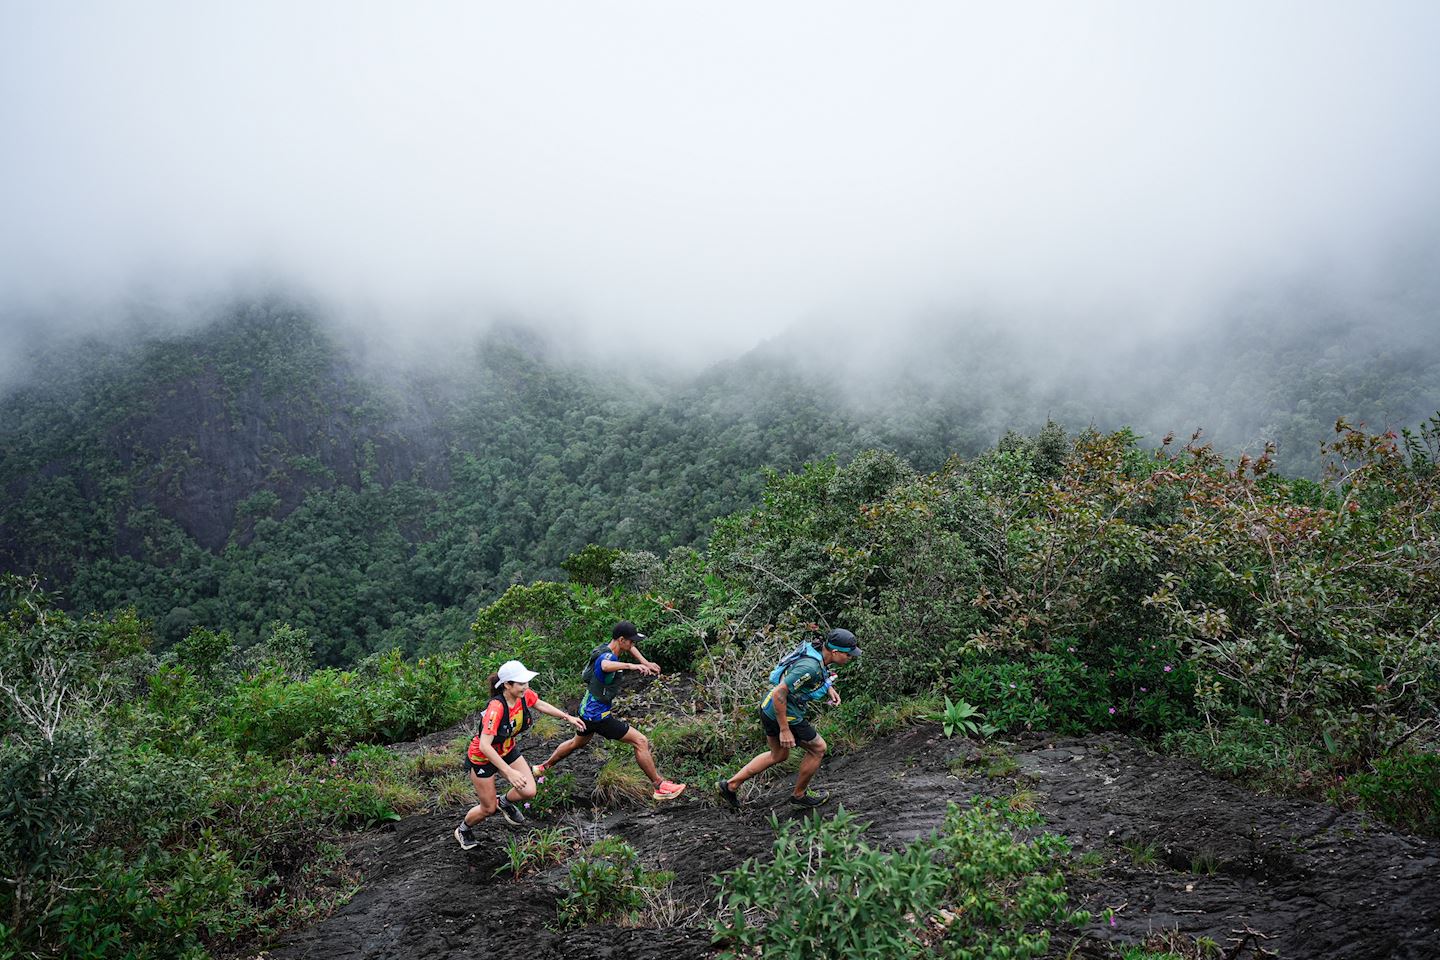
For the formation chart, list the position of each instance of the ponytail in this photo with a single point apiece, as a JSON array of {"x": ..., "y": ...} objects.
[{"x": 494, "y": 684}]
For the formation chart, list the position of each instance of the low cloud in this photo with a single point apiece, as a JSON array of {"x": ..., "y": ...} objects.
[{"x": 689, "y": 179}]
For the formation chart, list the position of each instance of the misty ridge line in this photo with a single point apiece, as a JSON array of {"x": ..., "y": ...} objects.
[{"x": 1220, "y": 376}]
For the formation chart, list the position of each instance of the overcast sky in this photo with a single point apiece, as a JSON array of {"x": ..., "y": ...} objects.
[{"x": 703, "y": 175}]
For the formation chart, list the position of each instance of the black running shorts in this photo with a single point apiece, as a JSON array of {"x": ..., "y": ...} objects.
[
  {"x": 611, "y": 727},
  {"x": 802, "y": 730},
  {"x": 487, "y": 770}
]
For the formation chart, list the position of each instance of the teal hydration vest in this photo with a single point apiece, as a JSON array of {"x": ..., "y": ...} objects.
[{"x": 801, "y": 652}]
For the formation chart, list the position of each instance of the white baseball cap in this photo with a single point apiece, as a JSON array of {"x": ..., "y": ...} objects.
[{"x": 513, "y": 671}]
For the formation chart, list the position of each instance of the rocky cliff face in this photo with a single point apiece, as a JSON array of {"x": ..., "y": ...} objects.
[
  {"x": 206, "y": 454},
  {"x": 211, "y": 431}
]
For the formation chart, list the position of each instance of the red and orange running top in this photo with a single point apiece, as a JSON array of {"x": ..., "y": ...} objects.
[{"x": 490, "y": 723}]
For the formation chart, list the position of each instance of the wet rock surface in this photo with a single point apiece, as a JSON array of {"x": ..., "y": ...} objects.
[{"x": 1170, "y": 848}]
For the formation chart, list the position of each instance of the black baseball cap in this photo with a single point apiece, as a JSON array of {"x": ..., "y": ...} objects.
[
  {"x": 627, "y": 630},
  {"x": 843, "y": 641}
]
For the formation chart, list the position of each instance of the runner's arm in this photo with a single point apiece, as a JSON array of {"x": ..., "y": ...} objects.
[
  {"x": 650, "y": 666},
  {"x": 778, "y": 698},
  {"x": 557, "y": 713},
  {"x": 611, "y": 666}
]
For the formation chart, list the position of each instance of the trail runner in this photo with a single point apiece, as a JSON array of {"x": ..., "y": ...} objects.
[
  {"x": 601, "y": 677},
  {"x": 493, "y": 751},
  {"x": 801, "y": 679}
]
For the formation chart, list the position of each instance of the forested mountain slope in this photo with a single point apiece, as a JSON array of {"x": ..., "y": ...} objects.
[
  {"x": 255, "y": 471},
  {"x": 259, "y": 469}
]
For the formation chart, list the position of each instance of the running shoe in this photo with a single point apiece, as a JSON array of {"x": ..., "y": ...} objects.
[
  {"x": 667, "y": 790},
  {"x": 511, "y": 813},
  {"x": 538, "y": 770},
  {"x": 809, "y": 800},
  {"x": 731, "y": 798},
  {"x": 467, "y": 839}
]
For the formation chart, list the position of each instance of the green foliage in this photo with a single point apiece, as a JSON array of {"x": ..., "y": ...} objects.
[
  {"x": 117, "y": 917},
  {"x": 594, "y": 566},
  {"x": 551, "y": 627},
  {"x": 1283, "y": 609},
  {"x": 288, "y": 651},
  {"x": 608, "y": 884},
  {"x": 46, "y": 799},
  {"x": 536, "y": 851},
  {"x": 386, "y": 699},
  {"x": 1403, "y": 789},
  {"x": 1256, "y": 750},
  {"x": 973, "y": 890},
  {"x": 557, "y": 793},
  {"x": 205, "y": 654},
  {"x": 154, "y": 825},
  {"x": 961, "y": 716},
  {"x": 1073, "y": 688}
]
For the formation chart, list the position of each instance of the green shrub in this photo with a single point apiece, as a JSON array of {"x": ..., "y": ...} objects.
[
  {"x": 1076, "y": 688},
  {"x": 555, "y": 794},
  {"x": 973, "y": 886},
  {"x": 47, "y": 796},
  {"x": 1402, "y": 789},
  {"x": 550, "y": 627},
  {"x": 206, "y": 654},
  {"x": 390, "y": 700},
  {"x": 592, "y": 566},
  {"x": 1254, "y": 749},
  {"x": 119, "y": 917},
  {"x": 608, "y": 884}
]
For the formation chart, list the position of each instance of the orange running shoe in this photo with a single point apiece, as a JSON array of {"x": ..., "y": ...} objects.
[{"x": 667, "y": 790}]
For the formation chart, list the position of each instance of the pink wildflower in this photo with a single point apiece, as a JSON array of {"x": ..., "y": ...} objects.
[
  {"x": 1112, "y": 711},
  {"x": 1167, "y": 668}
]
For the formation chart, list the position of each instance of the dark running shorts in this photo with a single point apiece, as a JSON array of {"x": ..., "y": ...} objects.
[
  {"x": 611, "y": 728},
  {"x": 804, "y": 733},
  {"x": 487, "y": 770}
]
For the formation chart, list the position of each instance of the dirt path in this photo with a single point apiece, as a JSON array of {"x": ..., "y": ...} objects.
[{"x": 1177, "y": 849}]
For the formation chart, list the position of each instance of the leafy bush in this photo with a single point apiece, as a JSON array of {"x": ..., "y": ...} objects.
[
  {"x": 593, "y": 566},
  {"x": 1403, "y": 789},
  {"x": 119, "y": 917},
  {"x": 46, "y": 798},
  {"x": 551, "y": 627},
  {"x": 608, "y": 884},
  {"x": 385, "y": 700},
  {"x": 1256, "y": 750},
  {"x": 973, "y": 889},
  {"x": 1143, "y": 688},
  {"x": 555, "y": 794}
]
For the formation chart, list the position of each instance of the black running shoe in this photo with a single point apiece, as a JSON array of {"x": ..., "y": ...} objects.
[
  {"x": 511, "y": 813},
  {"x": 468, "y": 840},
  {"x": 809, "y": 800},
  {"x": 729, "y": 796}
]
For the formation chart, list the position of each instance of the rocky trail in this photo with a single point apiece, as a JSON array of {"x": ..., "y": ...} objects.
[{"x": 1170, "y": 848}]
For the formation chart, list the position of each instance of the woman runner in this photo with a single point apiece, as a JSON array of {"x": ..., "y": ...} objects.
[{"x": 494, "y": 751}]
